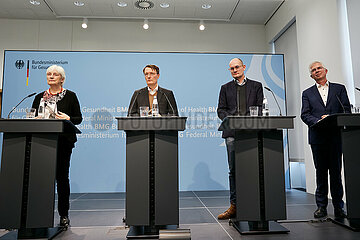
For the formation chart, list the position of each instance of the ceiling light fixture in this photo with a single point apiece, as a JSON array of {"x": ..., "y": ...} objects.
[
  {"x": 164, "y": 5},
  {"x": 79, "y": 3},
  {"x": 146, "y": 24},
  {"x": 122, "y": 4},
  {"x": 206, "y": 6},
  {"x": 144, "y": 4},
  {"x": 84, "y": 24},
  {"x": 34, "y": 2},
  {"x": 201, "y": 25}
]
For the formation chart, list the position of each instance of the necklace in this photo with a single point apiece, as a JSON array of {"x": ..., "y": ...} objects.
[{"x": 53, "y": 94}]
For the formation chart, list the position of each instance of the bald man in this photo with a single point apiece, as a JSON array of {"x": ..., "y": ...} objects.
[{"x": 235, "y": 98}]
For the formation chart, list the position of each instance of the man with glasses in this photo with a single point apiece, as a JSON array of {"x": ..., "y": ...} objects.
[
  {"x": 319, "y": 101},
  {"x": 144, "y": 97},
  {"x": 235, "y": 98}
]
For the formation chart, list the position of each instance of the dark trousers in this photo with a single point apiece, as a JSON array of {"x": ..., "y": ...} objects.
[
  {"x": 327, "y": 160},
  {"x": 231, "y": 161},
  {"x": 62, "y": 177}
]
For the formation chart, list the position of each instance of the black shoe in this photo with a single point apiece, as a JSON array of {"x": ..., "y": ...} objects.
[
  {"x": 339, "y": 213},
  {"x": 64, "y": 221},
  {"x": 321, "y": 212}
]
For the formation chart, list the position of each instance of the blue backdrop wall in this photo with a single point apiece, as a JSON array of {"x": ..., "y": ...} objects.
[{"x": 104, "y": 83}]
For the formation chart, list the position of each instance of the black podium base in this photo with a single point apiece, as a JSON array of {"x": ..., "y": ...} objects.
[
  {"x": 33, "y": 233},
  {"x": 256, "y": 227},
  {"x": 147, "y": 232},
  {"x": 352, "y": 223}
]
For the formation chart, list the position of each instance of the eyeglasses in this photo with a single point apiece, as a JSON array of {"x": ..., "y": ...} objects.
[
  {"x": 317, "y": 68},
  {"x": 235, "y": 68},
  {"x": 150, "y": 73}
]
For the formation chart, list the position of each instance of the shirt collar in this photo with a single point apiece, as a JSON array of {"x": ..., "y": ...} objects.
[
  {"x": 152, "y": 92},
  {"x": 325, "y": 85},
  {"x": 241, "y": 84}
]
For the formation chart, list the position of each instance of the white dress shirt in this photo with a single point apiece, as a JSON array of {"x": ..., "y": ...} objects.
[{"x": 324, "y": 91}]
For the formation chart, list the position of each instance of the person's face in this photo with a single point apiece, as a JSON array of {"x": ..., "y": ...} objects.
[
  {"x": 318, "y": 72},
  {"x": 54, "y": 78},
  {"x": 151, "y": 77},
  {"x": 236, "y": 68}
]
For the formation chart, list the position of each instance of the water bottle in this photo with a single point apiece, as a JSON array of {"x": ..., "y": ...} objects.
[
  {"x": 265, "y": 107},
  {"x": 155, "y": 107},
  {"x": 41, "y": 109}
]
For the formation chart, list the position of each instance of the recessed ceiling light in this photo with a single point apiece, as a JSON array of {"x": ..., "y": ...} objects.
[
  {"x": 144, "y": 4},
  {"x": 79, "y": 4},
  {"x": 206, "y": 6},
  {"x": 146, "y": 24},
  {"x": 34, "y": 2},
  {"x": 201, "y": 25},
  {"x": 164, "y": 5},
  {"x": 84, "y": 24},
  {"x": 122, "y": 4}
]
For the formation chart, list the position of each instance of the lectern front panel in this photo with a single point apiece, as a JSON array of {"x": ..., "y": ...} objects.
[
  {"x": 166, "y": 178},
  {"x": 42, "y": 180},
  {"x": 11, "y": 182},
  {"x": 137, "y": 178},
  {"x": 247, "y": 169},
  {"x": 274, "y": 184},
  {"x": 350, "y": 144}
]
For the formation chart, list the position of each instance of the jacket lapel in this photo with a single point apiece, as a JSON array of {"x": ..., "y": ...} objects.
[
  {"x": 248, "y": 91},
  {"x": 317, "y": 95},
  {"x": 331, "y": 93},
  {"x": 159, "y": 94},
  {"x": 144, "y": 97}
]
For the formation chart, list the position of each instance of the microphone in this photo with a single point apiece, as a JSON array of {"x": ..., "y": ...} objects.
[
  {"x": 357, "y": 88},
  {"x": 274, "y": 98},
  {"x": 30, "y": 95},
  {"x": 337, "y": 97},
  {"x": 133, "y": 103},
  {"x": 167, "y": 99}
]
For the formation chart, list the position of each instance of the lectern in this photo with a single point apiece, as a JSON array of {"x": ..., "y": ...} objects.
[
  {"x": 259, "y": 172},
  {"x": 349, "y": 127},
  {"x": 152, "y": 200},
  {"x": 27, "y": 176}
]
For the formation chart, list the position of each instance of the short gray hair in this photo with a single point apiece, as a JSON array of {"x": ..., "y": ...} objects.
[
  {"x": 59, "y": 69},
  {"x": 315, "y": 63}
]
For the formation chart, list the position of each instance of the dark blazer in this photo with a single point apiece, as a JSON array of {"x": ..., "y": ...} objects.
[
  {"x": 228, "y": 100},
  {"x": 313, "y": 108},
  {"x": 70, "y": 105},
  {"x": 166, "y": 101}
]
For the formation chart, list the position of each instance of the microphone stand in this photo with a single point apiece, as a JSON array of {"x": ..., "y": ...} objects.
[
  {"x": 30, "y": 95},
  {"x": 274, "y": 98}
]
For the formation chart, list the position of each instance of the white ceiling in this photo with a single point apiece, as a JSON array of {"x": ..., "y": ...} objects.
[{"x": 232, "y": 11}]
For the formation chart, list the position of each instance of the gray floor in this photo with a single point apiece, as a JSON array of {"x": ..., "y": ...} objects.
[{"x": 99, "y": 216}]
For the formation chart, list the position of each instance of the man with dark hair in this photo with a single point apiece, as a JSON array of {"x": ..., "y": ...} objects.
[
  {"x": 235, "y": 98},
  {"x": 153, "y": 67},
  {"x": 144, "y": 97},
  {"x": 319, "y": 101}
]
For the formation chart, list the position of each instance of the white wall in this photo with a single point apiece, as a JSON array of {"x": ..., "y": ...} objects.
[
  {"x": 129, "y": 36},
  {"x": 353, "y": 7},
  {"x": 318, "y": 32}
]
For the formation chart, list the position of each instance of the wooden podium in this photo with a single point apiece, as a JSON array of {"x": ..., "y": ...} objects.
[
  {"x": 259, "y": 172},
  {"x": 152, "y": 198},
  {"x": 349, "y": 127},
  {"x": 27, "y": 176}
]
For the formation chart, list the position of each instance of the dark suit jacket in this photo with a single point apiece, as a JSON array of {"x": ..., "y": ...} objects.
[
  {"x": 228, "y": 100},
  {"x": 313, "y": 108},
  {"x": 165, "y": 97}
]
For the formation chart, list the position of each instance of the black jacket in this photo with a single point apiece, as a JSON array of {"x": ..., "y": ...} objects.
[
  {"x": 165, "y": 97},
  {"x": 228, "y": 100},
  {"x": 70, "y": 105}
]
